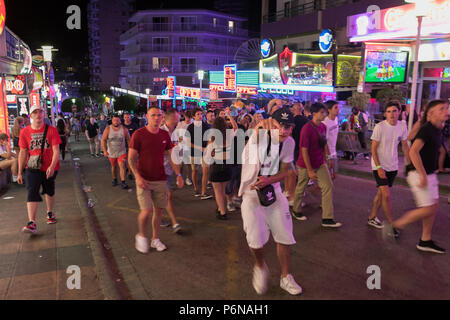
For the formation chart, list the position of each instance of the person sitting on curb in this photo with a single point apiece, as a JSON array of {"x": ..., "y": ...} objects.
[{"x": 8, "y": 159}]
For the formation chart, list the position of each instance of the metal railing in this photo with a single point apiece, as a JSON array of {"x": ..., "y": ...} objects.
[
  {"x": 161, "y": 71},
  {"x": 137, "y": 49},
  {"x": 181, "y": 27},
  {"x": 293, "y": 11},
  {"x": 337, "y": 3},
  {"x": 302, "y": 9}
]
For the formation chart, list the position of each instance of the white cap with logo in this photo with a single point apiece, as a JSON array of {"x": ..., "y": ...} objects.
[{"x": 35, "y": 107}]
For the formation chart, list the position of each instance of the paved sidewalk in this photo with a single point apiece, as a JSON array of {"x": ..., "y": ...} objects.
[
  {"x": 34, "y": 267},
  {"x": 210, "y": 258}
]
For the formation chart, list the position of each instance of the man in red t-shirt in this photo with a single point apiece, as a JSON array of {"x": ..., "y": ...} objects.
[
  {"x": 311, "y": 164},
  {"x": 30, "y": 143},
  {"x": 146, "y": 159}
]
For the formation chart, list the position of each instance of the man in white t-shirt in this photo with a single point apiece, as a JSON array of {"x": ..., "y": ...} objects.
[
  {"x": 332, "y": 124},
  {"x": 385, "y": 139},
  {"x": 263, "y": 166}
]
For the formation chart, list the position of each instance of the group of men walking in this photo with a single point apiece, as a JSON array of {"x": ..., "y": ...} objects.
[{"x": 157, "y": 153}]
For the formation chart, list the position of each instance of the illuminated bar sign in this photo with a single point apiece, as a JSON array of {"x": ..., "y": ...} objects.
[
  {"x": 16, "y": 86},
  {"x": 247, "y": 81},
  {"x": 35, "y": 99},
  {"x": 171, "y": 84},
  {"x": 188, "y": 92},
  {"x": 2, "y": 15},
  {"x": 240, "y": 89},
  {"x": 4, "y": 124},
  {"x": 398, "y": 22},
  {"x": 297, "y": 71},
  {"x": 230, "y": 77}
]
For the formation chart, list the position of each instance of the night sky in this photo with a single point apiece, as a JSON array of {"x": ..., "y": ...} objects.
[
  {"x": 44, "y": 22},
  {"x": 40, "y": 23}
]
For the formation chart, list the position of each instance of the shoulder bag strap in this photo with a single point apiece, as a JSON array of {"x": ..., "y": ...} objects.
[{"x": 43, "y": 140}]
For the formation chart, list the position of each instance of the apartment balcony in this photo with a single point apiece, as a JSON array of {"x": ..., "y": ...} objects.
[
  {"x": 183, "y": 28},
  {"x": 305, "y": 17},
  {"x": 134, "y": 50},
  {"x": 292, "y": 11},
  {"x": 160, "y": 71}
]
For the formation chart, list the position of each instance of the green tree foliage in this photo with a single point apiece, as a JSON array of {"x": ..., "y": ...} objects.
[
  {"x": 387, "y": 94},
  {"x": 67, "y": 104},
  {"x": 125, "y": 103},
  {"x": 359, "y": 100}
]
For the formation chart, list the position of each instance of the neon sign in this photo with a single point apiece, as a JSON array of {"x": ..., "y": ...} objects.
[
  {"x": 230, "y": 77},
  {"x": 4, "y": 123},
  {"x": 399, "y": 22},
  {"x": 266, "y": 47},
  {"x": 171, "y": 84},
  {"x": 189, "y": 92},
  {"x": 16, "y": 86},
  {"x": 35, "y": 99},
  {"x": 240, "y": 89},
  {"x": 326, "y": 41},
  {"x": 2, "y": 15}
]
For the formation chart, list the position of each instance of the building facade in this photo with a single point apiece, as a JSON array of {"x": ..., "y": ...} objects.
[
  {"x": 177, "y": 43},
  {"x": 107, "y": 20},
  {"x": 310, "y": 17}
]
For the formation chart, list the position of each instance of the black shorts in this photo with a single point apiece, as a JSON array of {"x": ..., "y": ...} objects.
[
  {"x": 16, "y": 143},
  {"x": 34, "y": 181},
  {"x": 220, "y": 173},
  {"x": 389, "y": 181}
]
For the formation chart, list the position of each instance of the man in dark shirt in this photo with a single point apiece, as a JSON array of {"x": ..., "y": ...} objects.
[
  {"x": 131, "y": 127},
  {"x": 422, "y": 177},
  {"x": 299, "y": 121},
  {"x": 195, "y": 132},
  {"x": 92, "y": 132},
  {"x": 129, "y": 124}
]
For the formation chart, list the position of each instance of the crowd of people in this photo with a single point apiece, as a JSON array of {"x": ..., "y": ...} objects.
[{"x": 259, "y": 160}]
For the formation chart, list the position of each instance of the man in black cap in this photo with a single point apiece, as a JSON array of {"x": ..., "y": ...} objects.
[{"x": 260, "y": 220}]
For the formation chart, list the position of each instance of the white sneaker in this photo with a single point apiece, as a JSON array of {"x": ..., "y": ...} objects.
[
  {"x": 230, "y": 207},
  {"x": 237, "y": 202},
  {"x": 141, "y": 244},
  {"x": 188, "y": 182},
  {"x": 260, "y": 279},
  {"x": 14, "y": 178},
  {"x": 288, "y": 283},
  {"x": 158, "y": 245}
]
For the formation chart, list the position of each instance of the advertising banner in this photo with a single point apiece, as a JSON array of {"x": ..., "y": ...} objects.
[
  {"x": 290, "y": 68},
  {"x": 4, "y": 123},
  {"x": 348, "y": 68}
]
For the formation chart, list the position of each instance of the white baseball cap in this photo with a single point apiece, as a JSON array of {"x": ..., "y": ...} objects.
[{"x": 34, "y": 108}]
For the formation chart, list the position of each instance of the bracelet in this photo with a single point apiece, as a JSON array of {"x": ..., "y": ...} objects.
[
  {"x": 328, "y": 157},
  {"x": 378, "y": 167},
  {"x": 179, "y": 175}
]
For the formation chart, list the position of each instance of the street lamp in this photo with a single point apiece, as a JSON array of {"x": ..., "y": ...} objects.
[
  {"x": 201, "y": 75},
  {"x": 420, "y": 12},
  {"x": 47, "y": 52},
  {"x": 147, "y": 91}
]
